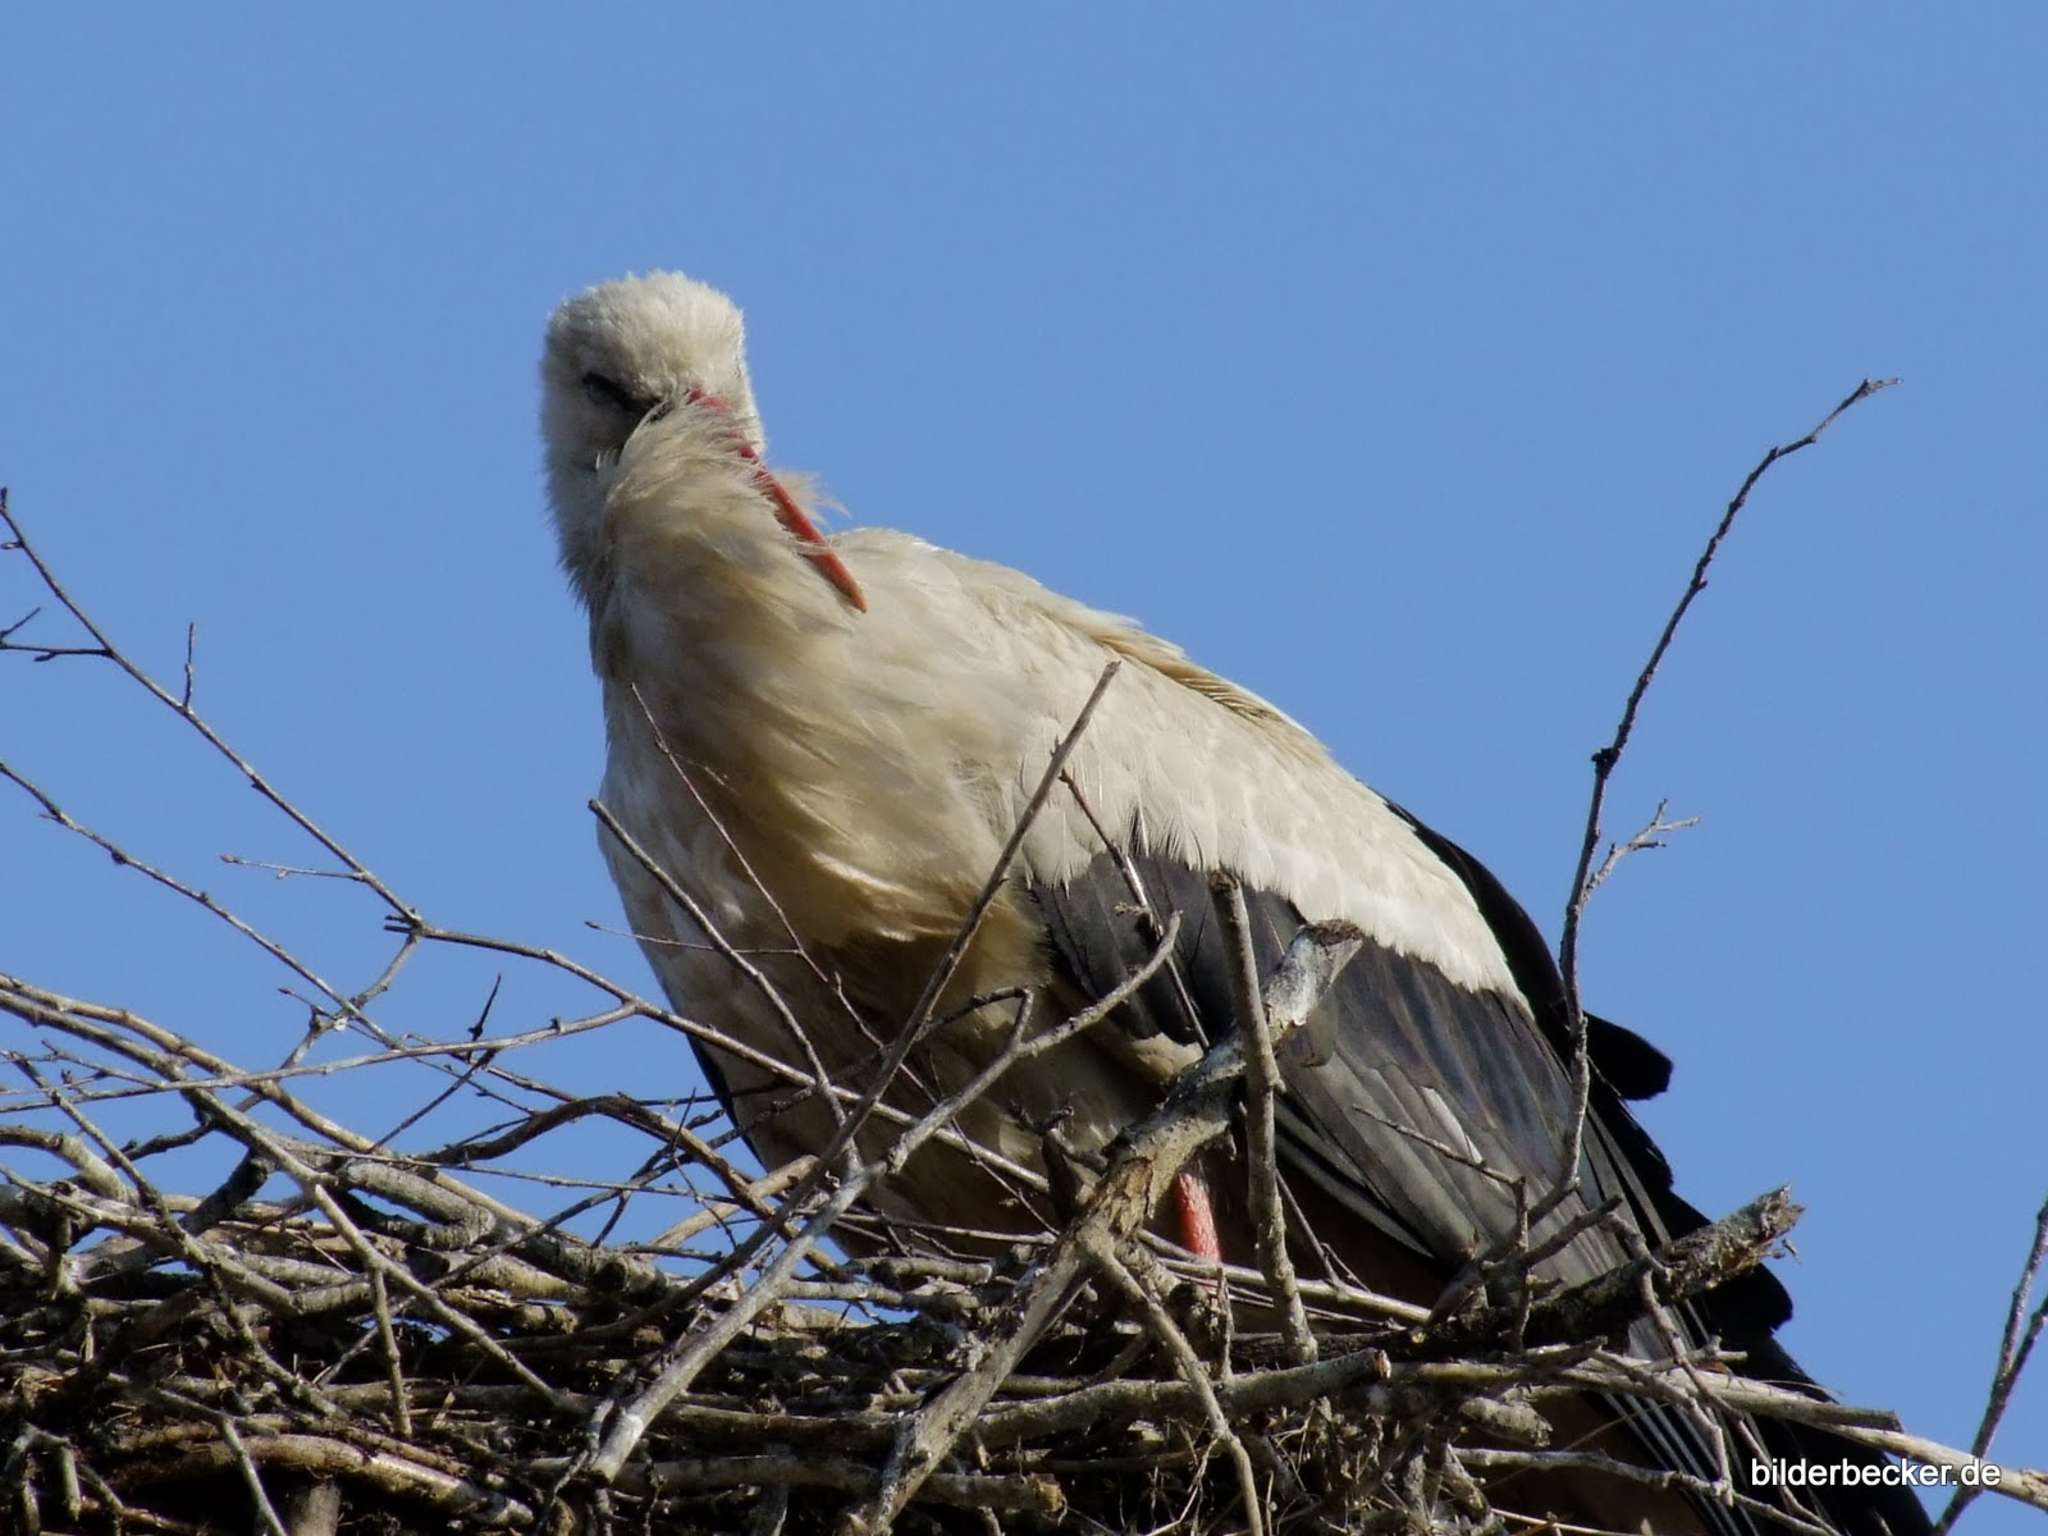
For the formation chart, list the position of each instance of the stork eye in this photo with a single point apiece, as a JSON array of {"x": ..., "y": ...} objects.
[{"x": 609, "y": 392}]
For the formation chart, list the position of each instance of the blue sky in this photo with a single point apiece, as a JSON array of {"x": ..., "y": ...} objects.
[{"x": 1394, "y": 361}]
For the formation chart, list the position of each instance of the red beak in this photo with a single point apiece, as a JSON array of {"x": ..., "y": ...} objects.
[
  {"x": 815, "y": 549},
  {"x": 792, "y": 517}
]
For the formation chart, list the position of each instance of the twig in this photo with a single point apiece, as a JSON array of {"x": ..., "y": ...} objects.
[
  {"x": 1262, "y": 1084},
  {"x": 18, "y": 540},
  {"x": 290, "y": 871},
  {"x": 121, "y": 856},
  {"x": 264, "y": 1512},
  {"x": 1605, "y": 760},
  {"x": 914, "y": 1027},
  {"x": 746, "y": 867},
  {"x": 1152, "y": 921},
  {"x": 1652, "y": 835},
  {"x": 755, "y": 977},
  {"x": 394, "y": 1365},
  {"x": 2015, "y": 1348},
  {"x": 1192, "y": 1371}
]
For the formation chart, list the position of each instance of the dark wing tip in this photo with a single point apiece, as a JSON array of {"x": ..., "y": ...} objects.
[{"x": 1632, "y": 1066}]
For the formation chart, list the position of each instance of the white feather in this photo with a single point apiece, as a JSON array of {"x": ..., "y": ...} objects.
[{"x": 870, "y": 765}]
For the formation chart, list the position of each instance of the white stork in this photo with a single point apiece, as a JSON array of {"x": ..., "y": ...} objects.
[{"x": 830, "y": 739}]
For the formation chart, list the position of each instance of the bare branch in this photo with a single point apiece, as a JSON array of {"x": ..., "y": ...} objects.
[
  {"x": 104, "y": 647},
  {"x": 2015, "y": 1348},
  {"x": 1608, "y": 758},
  {"x": 1262, "y": 1083}
]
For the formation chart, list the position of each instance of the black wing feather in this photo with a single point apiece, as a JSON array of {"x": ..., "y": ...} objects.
[
  {"x": 1396, "y": 1048},
  {"x": 1401, "y": 1053}
]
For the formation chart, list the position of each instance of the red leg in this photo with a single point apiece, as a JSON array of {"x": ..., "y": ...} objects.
[{"x": 1197, "y": 1216}]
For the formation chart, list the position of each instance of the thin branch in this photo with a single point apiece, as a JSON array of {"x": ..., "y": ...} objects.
[
  {"x": 1192, "y": 1371},
  {"x": 1262, "y": 1085},
  {"x": 102, "y": 646},
  {"x": 914, "y": 1027},
  {"x": 250, "y": 1477},
  {"x": 2015, "y": 1348},
  {"x": 1606, "y": 759},
  {"x": 756, "y": 978},
  {"x": 1653, "y": 835}
]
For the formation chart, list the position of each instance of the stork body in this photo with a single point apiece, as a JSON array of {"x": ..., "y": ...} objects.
[{"x": 828, "y": 744}]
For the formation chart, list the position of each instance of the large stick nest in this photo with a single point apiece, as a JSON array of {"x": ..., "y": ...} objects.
[{"x": 391, "y": 1350}]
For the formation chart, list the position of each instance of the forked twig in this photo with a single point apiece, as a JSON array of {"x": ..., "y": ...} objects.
[{"x": 1605, "y": 760}]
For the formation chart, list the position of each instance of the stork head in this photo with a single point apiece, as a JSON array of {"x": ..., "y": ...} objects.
[
  {"x": 616, "y": 356},
  {"x": 628, "y": 353}
]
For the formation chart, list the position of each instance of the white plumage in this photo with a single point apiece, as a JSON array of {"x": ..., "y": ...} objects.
[
  {"x": 827, "y": 742},
  {"x": 869, "y": 765}
]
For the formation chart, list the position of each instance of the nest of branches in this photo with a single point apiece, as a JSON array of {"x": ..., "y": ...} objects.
[
  {"x": 393, "y": 1350},
  {"x": 224, "y": 1309}
]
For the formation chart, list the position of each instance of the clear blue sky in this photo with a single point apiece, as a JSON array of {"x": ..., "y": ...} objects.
[{"x": 1395, "y": 363}]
